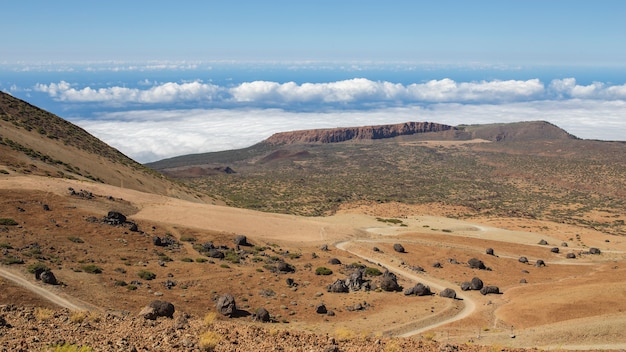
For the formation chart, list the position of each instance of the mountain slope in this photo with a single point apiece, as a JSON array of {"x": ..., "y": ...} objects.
[{"x": 34, "y": 141}]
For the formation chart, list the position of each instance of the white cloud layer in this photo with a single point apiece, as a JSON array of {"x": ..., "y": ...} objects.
[
  {"x": 151, "y": 135},
  {"x": 357, "y": 93}
]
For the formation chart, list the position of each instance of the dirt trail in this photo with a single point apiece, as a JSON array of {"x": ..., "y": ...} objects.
[
  {"x": 44, "y": 293},
  {"x": 469, "y": 306}
]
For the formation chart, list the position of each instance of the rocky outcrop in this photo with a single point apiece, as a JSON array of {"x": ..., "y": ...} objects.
[
  {"x": 226, "y": 305},
  {"x": 336, "y": 135},
  {"x": 157, "y": 309}
]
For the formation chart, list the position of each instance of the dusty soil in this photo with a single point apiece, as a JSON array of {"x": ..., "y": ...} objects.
[{"x": 569, "y": 303}]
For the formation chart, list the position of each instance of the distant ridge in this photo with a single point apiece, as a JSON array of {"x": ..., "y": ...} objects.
[{"x": 342, "y": 134}]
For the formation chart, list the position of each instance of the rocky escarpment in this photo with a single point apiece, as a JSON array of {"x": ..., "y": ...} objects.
[{"x": 342, "y": 134}]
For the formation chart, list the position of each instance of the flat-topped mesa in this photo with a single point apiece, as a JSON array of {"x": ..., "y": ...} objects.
[{"x": 342, "y": 134}]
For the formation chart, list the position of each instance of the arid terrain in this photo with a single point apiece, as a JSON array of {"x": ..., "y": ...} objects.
[{"x": 108, "y": 271}]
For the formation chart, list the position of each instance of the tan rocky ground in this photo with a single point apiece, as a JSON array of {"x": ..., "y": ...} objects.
[{"x": 570, "y": 303}]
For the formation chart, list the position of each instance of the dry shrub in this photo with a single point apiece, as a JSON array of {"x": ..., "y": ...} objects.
[
  {"x": 344, "y": 334},
  {"x": 209, "y": 340},
  {"x": 210, "y": 318},
  {"x": 78, "y": 317},
  {"x": 43, "y": 314}
]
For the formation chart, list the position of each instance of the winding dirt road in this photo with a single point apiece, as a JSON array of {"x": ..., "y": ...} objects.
[
  {"x": 43, "y": 292},
  {"x": 469, "y": 306}
]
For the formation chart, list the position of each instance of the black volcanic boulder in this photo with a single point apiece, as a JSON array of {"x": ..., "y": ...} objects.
[
  {"x": 334, "y": 261},
  {"x": 490, "y": 290},
  {"x": 570, "y": 256},
  {"x": 47, "y": 277},
  {"x": 448, "y": 293},
  {"x": 523, "y": 260},
  {"x": 321, "y": 309},
  {"x": 476, "y": 264},
  {"x": 285, "y": 268},
  {"x": 355, "y": 281},
  {"x": 554, "y": 250},
  {"x": 339, "y": 286},
  {"x": 398, "y": 248},
  {"x": 389, "y": 282},
  {"x": 543, "y": 242},
  {"x": 226, "y": 305},
  {"x": 262, "y": 315},
  {"x": 489, "y": 251},
  {"x": 476, "y": 284},
  {"x": 540, "y": 263},
  {"x": 418, "y": 290},
  {"x": 241, "y": 240},
  {"x": 115, "y": 218},
  {"x": 466, "y": 286},
  {"x": 157, "y": 309},
  {"x": 215, "y": 253},
  {"x": 594, "y": 250}
]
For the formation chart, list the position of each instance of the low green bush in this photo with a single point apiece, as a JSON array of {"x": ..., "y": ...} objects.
[
  {"x": 91, "y": 269},
  {"x": 322, "y": 270},
  {"x": 8, "y": 222},
  {"x": 146, "y": 275}
]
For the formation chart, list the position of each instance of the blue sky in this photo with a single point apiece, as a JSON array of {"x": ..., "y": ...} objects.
[
  {"x": 198, "y": 76},
  {"x": 509, "y": 32}
]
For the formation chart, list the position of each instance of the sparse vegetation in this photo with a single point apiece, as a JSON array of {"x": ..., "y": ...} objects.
[
  {"x": 8, "y": 222},
  {"x": 36, "y": 266},
  {"x": 146, "y": 275},
  {"x": 43, "y": 314},
  {"x": 209, "y": 340},
  {"x": 66, "y": 347},
  {"x": 187, "y": 260},
  {"x": 91, "y": 269},
  {"x": 322, "y": 270}
]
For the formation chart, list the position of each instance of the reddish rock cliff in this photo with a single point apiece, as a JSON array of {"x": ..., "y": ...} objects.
[{"x": 342, "y": 134}]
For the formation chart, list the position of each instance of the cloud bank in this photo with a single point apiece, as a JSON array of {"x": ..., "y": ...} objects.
[{"x": 357, "y": 92}]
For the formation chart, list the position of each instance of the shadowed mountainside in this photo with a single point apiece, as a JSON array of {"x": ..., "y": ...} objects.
[{"x": 34, "y": 141}]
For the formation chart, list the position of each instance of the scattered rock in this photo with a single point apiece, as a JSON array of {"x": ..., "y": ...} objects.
[
  {"x": 564, "y": 244},
  {"x": 398, "y": 248},
  {"x": 334, "y": 261},
  {"x": 324, "y": 247},
  {"x": 523, "y": 281},
  {"x": 321, "y": 309},
  {"x": 241, "y": 240},
  {"x": 114, "y": 218},
  {"x": 476, "y": 284},
  {"x": 46, "y": 207},
  {"x": 523, "y": 260},
  {"x": 540, "y": 263},
  {"x": 543, "y": 242},
  {"x": 226, "y": 305},
  {"x": 437, "y": 265},
  {"x": 389, "y": 282},
  {"x": 476, "y": 264},
  {"x": 158, "y": 309},
  {"x": 554, "y": 250},
  {"x": 448, "y": 293},
  {"x": 285, "y": 268},
  {"x": 490, "y": 290},
  {"x": 261, "y": 315},
  {"x": 339, "y": 286},
  {"x": 489, "y": 251},
  {"x": 376, "y": 249},
  {"x": 594, "y": 250},
  {"x": 570, "y": 256},
  {"x": 466, "y": 286},
  {"x": 47, "y": 277},
  {"x": 418, "y": 290}
]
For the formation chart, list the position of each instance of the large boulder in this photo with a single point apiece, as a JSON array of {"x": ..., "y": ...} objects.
[
  {"x": 47, "y": 277},
  {"x": 355, "y": 281},
  {"x": 398, "y": 248},
  {"x": 334, "y": 261},
  {"x": 157, "y": 309},
  {"x": 321, "y": 309},
  {"x": 594, "y": 250},
  {"x": 476, "y": 284},
  {"x": 285, "y": 268},
  {"x": 466, "y": 286},
  {"x": 448, "y": 293},
  {"x": 539, "y": 263},
  {"x": 215, "y": 253},
  {"x": 262, "y": 315},
  {"x": 226, "y": 305},
  {"x": 419, "y": 290},
  {"x": 389, "y": 282},
  {"x": 476, "y": 264},
  {"x": 339, "y": 286},
  {"x": 523, "y": 260},
  {"x": 115, "y": 218},
  {"x": 490, "y": 290},
  {"x": 241, "y": 240}
]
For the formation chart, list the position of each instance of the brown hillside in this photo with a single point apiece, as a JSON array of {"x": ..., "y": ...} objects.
[{"x": 34, "y": 141}]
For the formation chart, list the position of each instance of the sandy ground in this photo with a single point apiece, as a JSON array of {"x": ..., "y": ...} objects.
[{"x": 570, "y": 303}]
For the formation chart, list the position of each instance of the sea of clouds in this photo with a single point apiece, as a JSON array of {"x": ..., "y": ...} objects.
[{"x": 155, "y": 120}]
